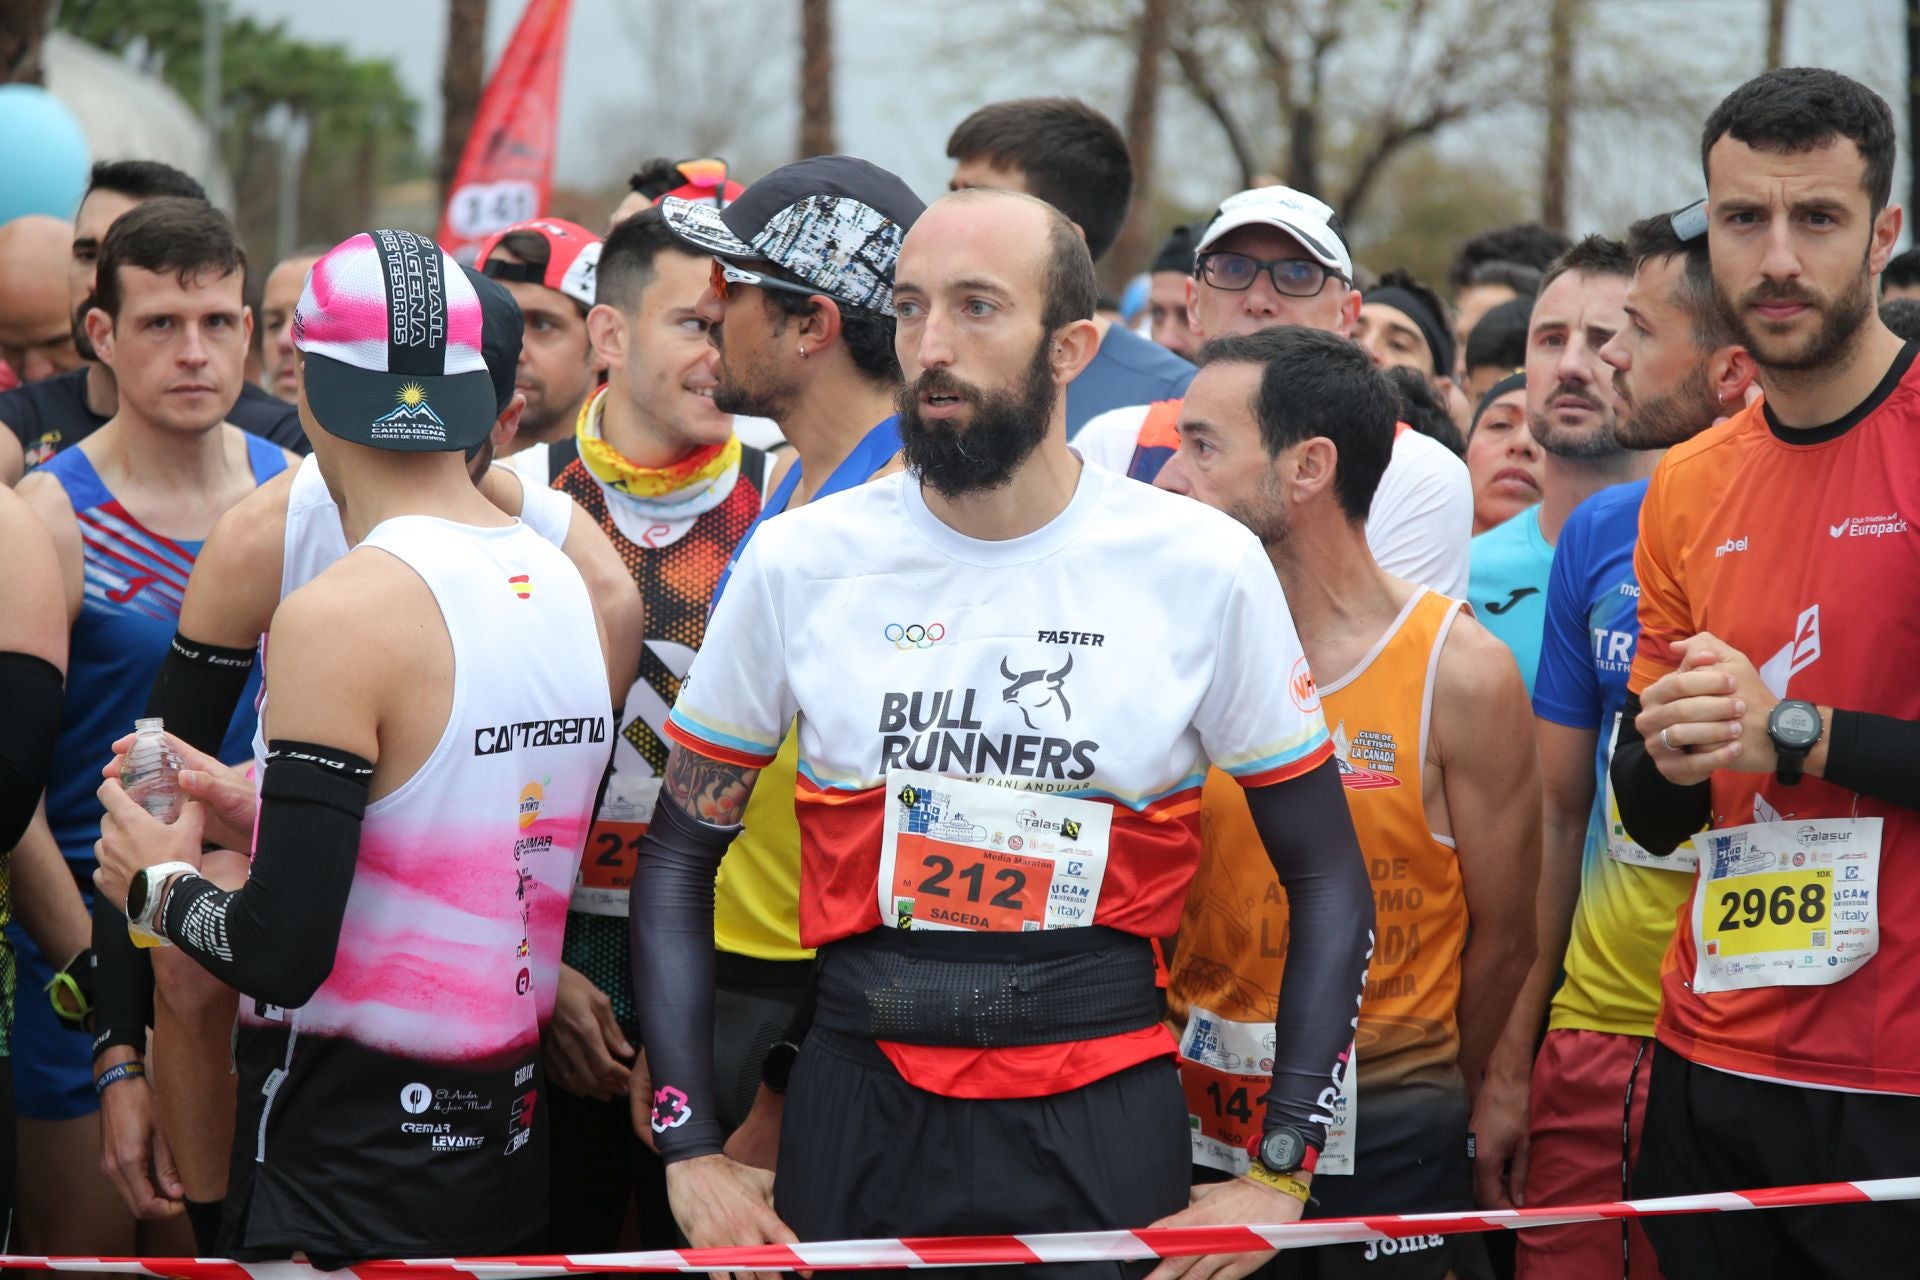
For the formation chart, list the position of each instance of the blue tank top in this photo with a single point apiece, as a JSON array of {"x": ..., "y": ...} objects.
[{"x": 134, "y": 584}]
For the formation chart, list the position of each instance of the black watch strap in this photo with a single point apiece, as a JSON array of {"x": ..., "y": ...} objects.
[
  {"x": 777, "y": 1068},
  {"x": 1789, "y": 766}
]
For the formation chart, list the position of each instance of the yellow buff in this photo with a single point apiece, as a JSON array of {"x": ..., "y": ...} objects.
[{"x": 685, "y": 480}]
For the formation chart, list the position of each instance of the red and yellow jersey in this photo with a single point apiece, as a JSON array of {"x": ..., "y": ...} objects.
[
  {"x": 1799, "y": 549},
  {"x": 1102, "y": 660},
  {"x": 1233, "y": 935}
]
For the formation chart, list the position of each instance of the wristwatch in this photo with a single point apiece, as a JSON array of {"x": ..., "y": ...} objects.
[
  {"x": 144, "y": 897},
  {"x": 1280, "y": 1156},
  {"x": 1283, "y": 1149},
  {"x": 777, "y": 1067},
  {"x": 1795, "y": 728}
]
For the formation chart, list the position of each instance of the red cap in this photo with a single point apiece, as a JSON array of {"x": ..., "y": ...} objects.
[
  {"x": 705, "y": 180},
  {"x": 573, "y": 256}
]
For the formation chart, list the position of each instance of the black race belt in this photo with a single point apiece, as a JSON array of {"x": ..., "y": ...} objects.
[{"x": 987, "y": 990}]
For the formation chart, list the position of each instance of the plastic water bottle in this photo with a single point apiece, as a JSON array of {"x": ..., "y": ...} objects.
[
  {"x": 151, "y": 771},
  {"x": 151, "y": 775}
]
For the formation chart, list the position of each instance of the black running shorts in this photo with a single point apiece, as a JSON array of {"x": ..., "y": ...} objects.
[
  {"x": 1707, "y": 1130},
  {"x": 864, "y": 1154}
]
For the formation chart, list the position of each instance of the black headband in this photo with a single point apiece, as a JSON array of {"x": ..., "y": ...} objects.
[
  {"x": 517, "y": 272},
  {"x": 1410, "y": 304},
  {"x": 1515, "y": 381}
]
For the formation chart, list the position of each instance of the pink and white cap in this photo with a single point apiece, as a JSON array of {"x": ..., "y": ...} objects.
[{"x": 391, "y": 331}]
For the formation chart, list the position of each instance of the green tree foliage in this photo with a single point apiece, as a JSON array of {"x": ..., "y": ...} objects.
[{"x": 358, "y": 119}]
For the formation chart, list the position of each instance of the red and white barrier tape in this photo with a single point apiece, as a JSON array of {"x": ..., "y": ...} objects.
[{"x": 952, "y": 1251}]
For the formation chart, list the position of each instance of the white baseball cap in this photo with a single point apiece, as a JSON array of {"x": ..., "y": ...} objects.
[{"x": 1306, "y": 219}]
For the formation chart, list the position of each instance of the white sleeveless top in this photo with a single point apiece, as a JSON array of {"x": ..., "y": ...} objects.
[
  {"x": 314, "y": 540},
  {"x": 416, "y": 1062}
]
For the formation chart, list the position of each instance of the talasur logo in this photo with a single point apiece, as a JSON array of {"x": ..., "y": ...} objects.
[
  {"x": 1037, "y": 691},
  {"x": 670, "y": 1109}
]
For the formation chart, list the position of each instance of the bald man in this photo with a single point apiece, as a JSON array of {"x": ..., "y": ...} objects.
[
  {"x": 36, "y": 328},
  {"x": 997, "y": 799}
]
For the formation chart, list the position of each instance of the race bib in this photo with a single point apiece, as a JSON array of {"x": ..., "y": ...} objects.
[
  {"x": 964, "y": 855},
  {"x": 1226, "y": 1069},
  {"x": 1786, "y": 904},
  {"x": 1620, "y": 845},
  {"x": 601, "y": 885}
]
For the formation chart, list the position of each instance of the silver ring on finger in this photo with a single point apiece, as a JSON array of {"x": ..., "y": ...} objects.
[{"x": 1667, "y": 742}]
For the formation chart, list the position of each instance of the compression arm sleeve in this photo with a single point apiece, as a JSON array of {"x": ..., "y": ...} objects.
[
  {"x": 1308, "y": 833},
  {"x": 197, "y": 689},
  {"x": 1877, "y": 756},
  {"x": 1658, "y": 814},
  {"x": 30, "y": 692},
  {"x": 274, "y": 939},
  {"x": 670, "y": 929},
  {"x": 122, "y": 982}
]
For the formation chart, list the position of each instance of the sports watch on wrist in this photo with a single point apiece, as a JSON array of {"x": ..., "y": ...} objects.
[
  {"x": 1795, "y": 728},
  {"x": 1281, "y": 1149},
  {"x": 777, "y": 1068},
  {"x": 144, "y": 896}
]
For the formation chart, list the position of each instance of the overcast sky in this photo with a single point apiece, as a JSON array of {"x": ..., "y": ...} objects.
[{"x": 908, "y": 69}]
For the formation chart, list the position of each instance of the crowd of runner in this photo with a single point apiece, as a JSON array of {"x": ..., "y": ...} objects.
[{"x": 797, "y": 719}]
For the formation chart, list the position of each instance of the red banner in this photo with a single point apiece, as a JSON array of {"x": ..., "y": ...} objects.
[{"x": 506, "y": 170}]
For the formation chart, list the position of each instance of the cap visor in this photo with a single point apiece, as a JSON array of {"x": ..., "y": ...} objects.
[
  {"x": 699, "y": 225},
  {"x": 1260, "y": 218},
  {"x": 405, "y": 413}
]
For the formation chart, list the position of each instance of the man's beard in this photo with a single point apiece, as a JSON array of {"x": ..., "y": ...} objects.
[
  {"x": 1569, "y": 442},
  {"x": 1007, "y": 426},
  {"x": 80, "y": 341},
  {"x": 732, "y": 394},
  {"x": 1840, "y": 320},
  {"x": 1267, "y": 516},
  {"x": 1681, "y": 414},
  {"x": 541, "y": 416}
]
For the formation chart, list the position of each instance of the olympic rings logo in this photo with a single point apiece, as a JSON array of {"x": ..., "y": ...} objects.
[{"x": 916, "y": 636}]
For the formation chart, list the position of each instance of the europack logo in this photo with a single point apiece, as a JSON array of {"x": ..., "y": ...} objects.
[{"x": 1869, "y": 526}]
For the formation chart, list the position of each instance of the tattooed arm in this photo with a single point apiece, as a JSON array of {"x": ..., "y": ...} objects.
[
  {"x": 710, "y": 790},
  {"x": 670, "y": 925}
]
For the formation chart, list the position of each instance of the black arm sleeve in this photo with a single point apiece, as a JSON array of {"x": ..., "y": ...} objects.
[
  {"x": 1877, "y": 756},
  {"x": 274, "y": 939},
  {"x": 670, "y": 930},
  {"x": 30, "y": 691},
  {"x": 197, "y": 689},
  {"x": 122, "y": 982},
  {"x": 1308, "y": 832},
  {"x": 1659, "y": 815},
  {"x": 195, "y": 693}
]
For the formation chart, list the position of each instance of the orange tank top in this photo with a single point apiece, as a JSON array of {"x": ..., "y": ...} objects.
[{"x": 1233, "y": 934}]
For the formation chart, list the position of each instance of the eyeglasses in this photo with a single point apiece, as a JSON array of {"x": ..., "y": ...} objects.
[
  {"x": 1294, "y": 277},
  {"x": 725, "y": 275}
]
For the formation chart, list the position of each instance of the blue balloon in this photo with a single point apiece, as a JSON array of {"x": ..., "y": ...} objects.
[
  {"x": 1134, "y": 300},
  {"x": 43, "y": 153}
]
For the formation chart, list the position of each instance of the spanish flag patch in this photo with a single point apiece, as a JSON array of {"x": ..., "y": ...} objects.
[{"x": 521, "y": 585}]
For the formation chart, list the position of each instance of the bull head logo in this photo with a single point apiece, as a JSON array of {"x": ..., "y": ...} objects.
[{"x": 1033, "y": 691}]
